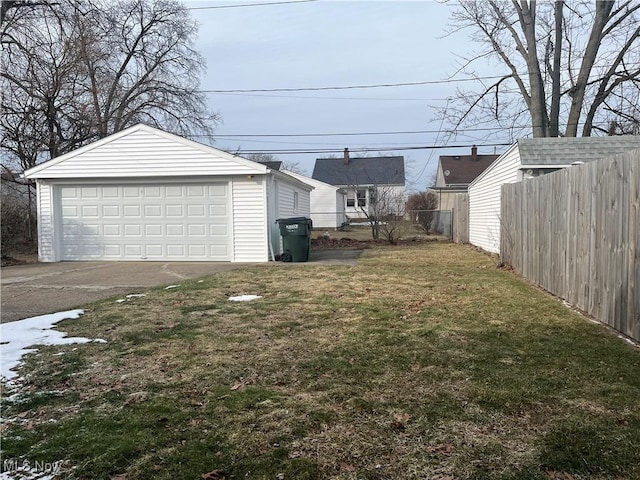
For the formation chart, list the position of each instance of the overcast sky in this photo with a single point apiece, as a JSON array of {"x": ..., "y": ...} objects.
[{"x": 329, "y": 43}]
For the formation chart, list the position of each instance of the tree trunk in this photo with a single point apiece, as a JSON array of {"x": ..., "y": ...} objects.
[
  {"x": 538, "y": 107},
  {"x": 603, "y": 10},
  {"x": 554, "y": 116}
]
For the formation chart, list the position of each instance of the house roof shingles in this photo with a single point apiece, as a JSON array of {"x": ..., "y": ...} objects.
[
  {"x": 463, "y": 169},
  {"x": 566, "y": 150},
  {"x": 360, "y": 171},
  {"x": 272, "y": 164}
]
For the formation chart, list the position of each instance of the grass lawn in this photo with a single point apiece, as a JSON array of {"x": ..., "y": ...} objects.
[{"x": 421, "y": 362}]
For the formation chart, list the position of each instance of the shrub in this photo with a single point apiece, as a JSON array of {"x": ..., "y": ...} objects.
[{"x": 18, "y": 213}]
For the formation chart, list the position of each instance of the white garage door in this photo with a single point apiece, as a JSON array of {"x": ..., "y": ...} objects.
[{"x": 145, "y": 222}]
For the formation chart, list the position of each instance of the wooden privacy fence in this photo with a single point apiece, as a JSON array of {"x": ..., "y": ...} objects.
[
  {"x": 461, "y": 218},
  {"x": 576, "y": 233}
]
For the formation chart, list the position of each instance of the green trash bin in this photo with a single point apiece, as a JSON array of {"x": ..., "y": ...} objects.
[{"x": 296, "y": 239}]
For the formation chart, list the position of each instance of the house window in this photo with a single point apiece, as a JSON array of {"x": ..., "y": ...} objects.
[
  {"x": 362, "y": 198},
  {"x": 351, "y": 198},
  {"x": 295, "y": 202}
]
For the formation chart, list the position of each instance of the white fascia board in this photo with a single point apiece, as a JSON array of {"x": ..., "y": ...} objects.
[
  {"x": 260, "y": 168},
  {"x": 493, "y": 164}
]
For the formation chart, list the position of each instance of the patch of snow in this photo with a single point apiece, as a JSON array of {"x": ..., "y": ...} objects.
[
  {"x": 17, "y": 336},
  {"x": 22, "y": 469},
  {"x": 132, "y": 295},
  {"x": 200, "y": 281},
  {"x": 172, "y": 286},
  {"x": 244, "y": 298}
]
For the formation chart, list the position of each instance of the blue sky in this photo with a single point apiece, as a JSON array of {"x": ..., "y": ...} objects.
[{"x": 332, "y": 43}]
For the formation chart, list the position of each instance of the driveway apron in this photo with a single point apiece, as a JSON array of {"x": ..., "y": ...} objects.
[{"x": 40, "y": 288}]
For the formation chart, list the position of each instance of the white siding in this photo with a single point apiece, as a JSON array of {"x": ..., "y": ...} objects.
[
  {"x": 46, "y": 249},
  {"x": 249, "y": 220},
  {"x": 143, "y": 152},
  {"x": 484, "y": 200},
  {"x": 286, "y": 199},
  {"x": 393, "y": 196},
  {"x": 327, "y": 207},
  {"x": 327, "y": 203}
]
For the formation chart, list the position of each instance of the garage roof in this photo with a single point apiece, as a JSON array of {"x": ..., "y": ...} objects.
[
  {"x": 144, "y": 151},
  {"x": 566, "y": 150}
]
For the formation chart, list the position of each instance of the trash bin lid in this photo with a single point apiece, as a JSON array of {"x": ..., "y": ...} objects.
[{"x": 294, "y": 220}]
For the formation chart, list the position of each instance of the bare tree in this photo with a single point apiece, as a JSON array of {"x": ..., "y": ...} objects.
[
  {"x": 382, "y": 204},
  {"x": 421, "y": 206},
  {"x": 74, "y": 72},
  {"x": 568, "y": 63},
  {"x": 389, "y": 216},
  {"x": 269, "y": 158}
]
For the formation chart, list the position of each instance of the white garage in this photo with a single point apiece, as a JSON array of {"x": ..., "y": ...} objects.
[{"x": 144, "y": 194}]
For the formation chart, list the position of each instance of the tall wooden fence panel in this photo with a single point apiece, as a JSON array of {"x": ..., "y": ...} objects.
[
  {"x": 576, "y": 233},
  {"x": 461, "y": 218}
]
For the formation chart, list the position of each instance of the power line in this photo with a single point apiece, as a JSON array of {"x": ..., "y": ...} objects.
[
  {"x": 364, "y": 149},
  {"x": 307, "y": 97},
  {"x": 249, "y": 5},
  {"x": 351, "y": 87},
  {"x": 408, "y": 132}
]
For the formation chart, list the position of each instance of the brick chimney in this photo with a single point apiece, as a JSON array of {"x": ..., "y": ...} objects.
[
  {"x": 346, "y": 156},
  {"x": 474, "y": 153}
]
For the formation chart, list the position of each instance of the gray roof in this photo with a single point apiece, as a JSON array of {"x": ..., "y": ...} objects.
[
  {"x": 360, "y": 171},
  {"x": 566, "y": 150},
  {"x": 272, "y": 164}
]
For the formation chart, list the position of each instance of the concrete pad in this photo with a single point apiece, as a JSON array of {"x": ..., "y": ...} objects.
[
  {"x": 335, "y": 257},
  {"x": 38, "y": 288}
]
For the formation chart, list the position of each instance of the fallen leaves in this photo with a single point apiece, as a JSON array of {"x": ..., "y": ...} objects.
[
  {"x": 237, "y": 386},
  {"x": 213, "y": 475},
  {"x": 559, "y": 475},
  {"x": 399, "y": 422},
  {"x": 347, "y": 467},
  {"x": 443, "y": 449}
]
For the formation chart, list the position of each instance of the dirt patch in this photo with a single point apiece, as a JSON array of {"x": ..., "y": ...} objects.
[
  {"x": 323, "y": 243},
  {"x": 18, "y": 259}
]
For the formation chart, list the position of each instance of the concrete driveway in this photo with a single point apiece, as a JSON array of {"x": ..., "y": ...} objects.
[{"x": 39, "y": 288}]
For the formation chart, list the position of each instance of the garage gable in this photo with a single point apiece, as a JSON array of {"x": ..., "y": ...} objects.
[{"x": 143, "y": 151}]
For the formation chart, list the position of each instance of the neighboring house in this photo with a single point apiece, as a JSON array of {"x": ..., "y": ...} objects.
[
  {"x": 455, "y": 173},
  {"x": 327, "y": 203},
  {"x": 371, "y": 183},
  {"x": 530, "y": 157},
  {"x": 145, "y": 194}
]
